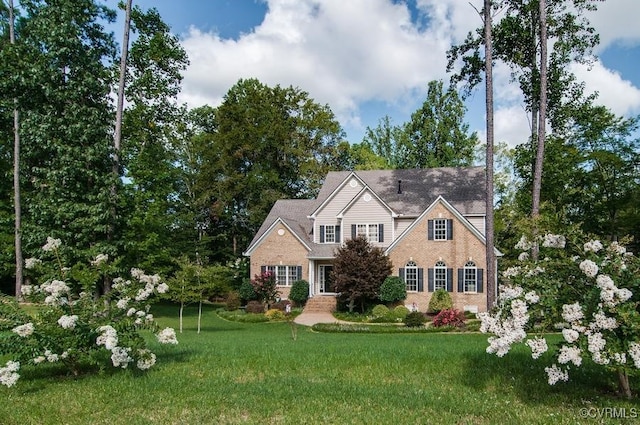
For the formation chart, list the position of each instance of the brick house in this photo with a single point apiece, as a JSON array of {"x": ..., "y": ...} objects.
[{"x": 430, "y": 222}]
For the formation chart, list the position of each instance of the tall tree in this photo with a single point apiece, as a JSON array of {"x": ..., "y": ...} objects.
[
  {"x": 389, "y": 142},
  {"x": 436, "y": 134}
]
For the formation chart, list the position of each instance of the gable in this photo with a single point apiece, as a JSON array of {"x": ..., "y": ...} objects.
[{"x": 280, "y": 236}]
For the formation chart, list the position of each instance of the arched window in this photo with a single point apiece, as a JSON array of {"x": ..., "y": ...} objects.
[
  {"x": 470, "y": 277},
  {"x": 440, "y": 276},
  {"x": 411, "y": 276}
]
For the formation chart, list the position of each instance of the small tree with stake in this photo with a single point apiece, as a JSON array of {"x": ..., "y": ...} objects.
[
  {"x": 359, "y": 270},
  {"x": 265, "y": 287}
]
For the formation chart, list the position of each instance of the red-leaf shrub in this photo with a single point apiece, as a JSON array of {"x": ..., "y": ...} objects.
[{"x": 449, "y": 317}]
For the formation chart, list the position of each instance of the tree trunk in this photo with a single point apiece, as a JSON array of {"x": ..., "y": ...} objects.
[
  {"x": 542, "y": 112},
  {"x": 623, "y": 384},
  {"x": 489, "y": 225},
  {"x": 17, "y": 204},
  {"x": 181, "y": 310}
]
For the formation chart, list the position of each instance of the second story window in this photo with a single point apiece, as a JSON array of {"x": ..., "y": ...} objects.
[
  {"x": 329, "y": 234},
  {"x": 371, "y": 232},
  {"x": 440, "y": 229}
]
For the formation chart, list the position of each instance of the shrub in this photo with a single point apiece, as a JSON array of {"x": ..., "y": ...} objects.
[
  {"x": 280, "y": 305},
  {"x": 246, "y": 291},
  {"x": 440, "y": 300},
  {"x": 380, "y": 311},
  {"x": 400, "y": 312},
  {"x": 299, "y": 292},
  {"x": 265, "y": 287},
  {"x": 414, "y": 319},
  {"x": 255, "y": 307},
  {"x": 232, "y": 301},
  {"x": 449, "y": 317},
  {"x": 392, "y": 290},
  {"x": 274, "y": 314}
]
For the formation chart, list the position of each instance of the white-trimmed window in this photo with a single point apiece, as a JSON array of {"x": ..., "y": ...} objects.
[
  {"x": 411, "y": 276},
  {"x": 440, "y": 276},
  {"x": 285, "y": 275},
  {"x": 470, "y": 277},
  {"x": 440, "y": 229},
  {"x": 371, "y": 232},
  {"x": 329, "y": 234}
]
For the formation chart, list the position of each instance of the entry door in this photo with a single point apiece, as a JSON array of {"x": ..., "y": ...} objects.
[{"x": 324, "y": 277}]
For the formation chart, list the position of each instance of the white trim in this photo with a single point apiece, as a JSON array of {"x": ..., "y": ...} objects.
[
  {"x": 277, "y": 221},
  {"x": 361, "y": 194}
]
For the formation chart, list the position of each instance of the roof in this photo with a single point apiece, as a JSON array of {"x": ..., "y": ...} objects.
[{"x": 463, "y": 188}]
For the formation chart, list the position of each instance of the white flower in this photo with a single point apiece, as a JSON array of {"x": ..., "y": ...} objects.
[
  {"x": 524, "y": 244},
  {"x": 556, "y": 374},
  {"x": 572, "y": 312},
  {"x": 511, "y": 272},
  {"x": 27, "y": 290},
  {"x": 538, "y": 346},
  {"x": 162, "y": 288},
  {"x": 605, "y": 282},
  {"x": 51, "y": 356},
  {"x": 24, "y": 330},
  {"x": 570, "y": 335},
  {"x": 554, "y": 241},
  {"x": 594, "y": 246},
  {"x": 68, "y": 322},
  {"x": 39, "y": 359},
  {"x": 31, "y": 263},
  {"x": 601, "y": 321},
  {"x": 620, "y": 358},
  {"x": 524, "y": 256},
  {"x": 131, "y": 312},
  {"x": 508, "y": 292},
  {"x": 617, "y": 248},
  {"x": 52, "y": 244},
  {"x": 108, "y": 338},
  {"x": 100, "y": 258},
  {"x": 122, "y": 303},
  {"x": 589, "y": 268},
  {"x": 146, "y": 359},
  {"x": 623, "y": 294},
  {"x": 531, "y": 297},
  {"x": 120, "y": 357},
  {"x": 167, "y": 336},
  {"x": 570, "y": 354},
  {"x": 137, "y": 273},
  {"x": 596, "y": 345},
  {"x": 634, "y": 352},
  {"x": 9, "y": 373}
]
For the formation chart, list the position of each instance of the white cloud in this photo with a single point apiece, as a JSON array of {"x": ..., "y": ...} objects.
[{"x": 617, "y": 21}]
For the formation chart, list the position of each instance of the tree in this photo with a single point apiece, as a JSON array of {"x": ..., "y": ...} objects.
[
  {"x": 436, "y": 135},
  {"x": 359, "y": 269},
  {"x": 390, "y": 143}
]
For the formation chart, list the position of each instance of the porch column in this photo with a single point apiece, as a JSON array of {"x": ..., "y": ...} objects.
[{"x": 312, "y": 278}]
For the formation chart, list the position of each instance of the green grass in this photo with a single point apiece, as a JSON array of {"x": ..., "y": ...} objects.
[{"x": 255, "y": 373}]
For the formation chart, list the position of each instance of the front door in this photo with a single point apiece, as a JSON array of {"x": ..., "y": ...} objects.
[{"x": 324, "y": 277}]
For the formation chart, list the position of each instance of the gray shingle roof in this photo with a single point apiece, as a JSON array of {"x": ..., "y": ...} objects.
[{"x": 463, "y": 188}]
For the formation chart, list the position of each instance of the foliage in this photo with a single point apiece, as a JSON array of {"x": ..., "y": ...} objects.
[
  {"x": 440, "y": 300},
  {"x": 265, "y": 287},
  {"x": 243, "y": 316},
  {"x": 380, "y": 311},
  {"x": 588, "y": 288},
  {"x": 449, "y": 317},
  {"x": 246, "y": 291},
  {"x": 393, "y": 290},
  {"x": 275, "y": 314},
  {"x": 359, "y": 269},
  {"x": 414, "y": 319},
  {"x": 75, "y": 328},
  {"x": 232, "y": 301},
  {"x": 255, "y": 307},
  {"x": 400, "y": 312},
  {"x": 299, "y": 292}
]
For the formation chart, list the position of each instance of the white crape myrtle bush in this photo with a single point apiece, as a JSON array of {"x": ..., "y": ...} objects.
[
  {"x": 589, "y": 290},
  {"x": 73, "y": 326}
]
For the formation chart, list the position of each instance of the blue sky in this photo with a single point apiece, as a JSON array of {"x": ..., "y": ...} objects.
[{"x": 371, "y": 58}]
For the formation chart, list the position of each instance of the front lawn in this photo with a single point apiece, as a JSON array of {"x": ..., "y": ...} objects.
[{"x": 254, "y": 373}]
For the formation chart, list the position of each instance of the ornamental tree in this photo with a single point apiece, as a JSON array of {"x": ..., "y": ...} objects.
[
  {"x": 587, "y": 288},
  {"x": 359, "y": 269},
  {"x": 265, "y": 287}
]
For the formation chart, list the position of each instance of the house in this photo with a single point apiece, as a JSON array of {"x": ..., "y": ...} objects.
[{"x": 430, "y": 222}]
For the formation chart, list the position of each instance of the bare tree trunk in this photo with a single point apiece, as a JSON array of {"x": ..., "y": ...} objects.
[
  {"x": 489, "y": 225},
  {"x": 17, "y": 203},
  {"x": 542, "y": 113},
  {"x": 623, "y": 384},
  {"x": 117, "y": 134}
]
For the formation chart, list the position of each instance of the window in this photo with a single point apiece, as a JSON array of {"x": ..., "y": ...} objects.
[
  {"x": 440, "y": 276},
  {"x": 371, "y": 232},
  {"x": 470, "y": 274},
  {"x": 411, "y": 276},
  {"x": 440, "y": 229},
  {"x": 329, "y": 234},
  {"x": 285, "y": 275}
]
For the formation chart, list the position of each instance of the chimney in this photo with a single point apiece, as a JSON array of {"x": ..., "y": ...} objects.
[{"x": 399, "y": 186}]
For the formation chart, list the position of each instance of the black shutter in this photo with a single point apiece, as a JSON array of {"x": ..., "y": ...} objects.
[
  {"x": 263, "y": 269},
  {"x": 353, "y": 231},
  {"x": 401, "y": 274},
  {"x": 460, "y": 280},
  {"x": 321, "y": 234},
  {"x": 430, "y": 279},
  {"x": 449, "y": 280},
  {"x": 430, "y": 230},
  {"x": 480, "y": 279},
  {"x": 449, "y": 229},
  {"x": 338, "y": 234},
  {"x": 380, "y": 232},
  {"x": 299, "y": 273},
  {"x": 420, "y": 279}
]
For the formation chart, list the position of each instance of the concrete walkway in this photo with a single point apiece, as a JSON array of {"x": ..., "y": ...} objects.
[{"x": 310, "y": 319}]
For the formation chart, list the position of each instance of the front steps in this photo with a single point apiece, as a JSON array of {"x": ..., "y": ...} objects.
[{"x": 321, "y": 304}]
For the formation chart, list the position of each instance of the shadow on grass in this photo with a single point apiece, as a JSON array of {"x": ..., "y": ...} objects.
[{"x": 519, "y": 374}]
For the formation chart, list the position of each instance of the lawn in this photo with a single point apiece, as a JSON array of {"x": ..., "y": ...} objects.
[{"x": 255, "y": 373}]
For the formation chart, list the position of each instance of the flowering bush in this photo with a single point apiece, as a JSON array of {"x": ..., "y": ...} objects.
[
  {"x": 449, "y": 317},
  {"x": 76, "y": 327},
  {"x": 589, "y": 290},
  {"x": 265, "y": 287}
]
